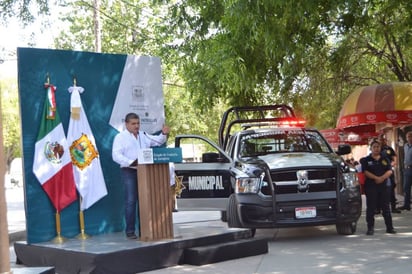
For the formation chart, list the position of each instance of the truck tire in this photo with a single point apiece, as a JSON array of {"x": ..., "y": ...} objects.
[
  {"x": 223, "y": 216},
  {"x": 346, "y": 228},
  {"x": 232, "y": 216},
  {"x": 252, "y": 232}
]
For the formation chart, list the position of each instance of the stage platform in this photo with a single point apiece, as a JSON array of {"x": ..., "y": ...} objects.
[{"x": 193, "y": 243}]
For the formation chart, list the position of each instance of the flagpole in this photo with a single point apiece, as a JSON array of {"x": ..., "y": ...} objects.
[
  {"x": 82, "y": 235},
  {"x": 59, "y": 238},
  {"x": 88, "y": 176},
  {"x": 56, "y": 164}
]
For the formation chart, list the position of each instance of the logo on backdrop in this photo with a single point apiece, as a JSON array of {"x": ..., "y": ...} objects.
[
  {"x": 137, "y": 93},
  {"x": 140, "y": 91}
]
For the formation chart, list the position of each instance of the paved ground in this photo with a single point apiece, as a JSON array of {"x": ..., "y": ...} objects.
[
  {"x": 320, "y": 250},
  {"x": 297, "y": 250},
  {"x": 15, "y": 209},
  {"x": 16, "y": 218}
]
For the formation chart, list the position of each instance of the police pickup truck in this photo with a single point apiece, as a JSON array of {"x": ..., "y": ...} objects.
[{"x": 268, "y": 171}]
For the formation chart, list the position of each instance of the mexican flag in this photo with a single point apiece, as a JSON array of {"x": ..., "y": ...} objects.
[
  {"x": 87, "y": 169},
  {"x": 52, "y": 165}
]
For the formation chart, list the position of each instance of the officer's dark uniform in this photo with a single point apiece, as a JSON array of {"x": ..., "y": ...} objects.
[
  {"x": 377, "y": 193},
  {"x": 388, "y": 152}
]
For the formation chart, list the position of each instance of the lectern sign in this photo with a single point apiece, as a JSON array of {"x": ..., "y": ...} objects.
[
  {"x": 166, "y": 155},
  {"x": 159, "y": 155}
]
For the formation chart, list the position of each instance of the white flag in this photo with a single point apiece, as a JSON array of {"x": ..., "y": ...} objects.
[{"x": 87, "y": 170}]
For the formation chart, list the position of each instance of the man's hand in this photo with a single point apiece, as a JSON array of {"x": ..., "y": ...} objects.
[{"x": 165, "y": 130}]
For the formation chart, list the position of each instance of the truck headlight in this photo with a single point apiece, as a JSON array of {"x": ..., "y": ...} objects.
[
  {"x": 350, "y": 179},
  {"x": 247, "y": 185}
]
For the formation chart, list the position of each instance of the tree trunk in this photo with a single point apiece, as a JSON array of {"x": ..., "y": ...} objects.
[
  {"x": 97, "y": 27},
  {"x": 4, "y": 229}
]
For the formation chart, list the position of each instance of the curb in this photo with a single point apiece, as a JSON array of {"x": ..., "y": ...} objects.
[{"x": 17, "y": 236}]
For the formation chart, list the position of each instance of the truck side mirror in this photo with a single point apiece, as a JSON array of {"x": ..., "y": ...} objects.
[
  {"x": 210, "y": 157},
  {"x": 344, "y": 149}
]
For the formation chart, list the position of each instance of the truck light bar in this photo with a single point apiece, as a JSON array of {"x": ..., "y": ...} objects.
[
  {"x": 279, "y": 123},
  {"x": 295, "y": 122}
]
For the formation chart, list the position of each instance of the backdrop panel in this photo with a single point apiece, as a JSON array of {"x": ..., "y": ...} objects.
[{"x": 100, "y": 75}]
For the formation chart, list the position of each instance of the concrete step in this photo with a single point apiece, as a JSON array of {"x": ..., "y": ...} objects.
[
  {"x": 33, "y": 270},
  {"x": 230, "y": 250}
]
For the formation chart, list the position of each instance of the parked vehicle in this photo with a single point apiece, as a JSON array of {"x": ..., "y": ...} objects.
[
  {"x": 269, "y": 171},
  {"x": 16, "y": 173}
]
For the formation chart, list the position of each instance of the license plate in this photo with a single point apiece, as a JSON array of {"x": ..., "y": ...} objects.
[{"x": 305, "y": 212}]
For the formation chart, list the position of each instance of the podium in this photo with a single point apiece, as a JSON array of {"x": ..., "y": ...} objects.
[{"x": 155, "y": 202}]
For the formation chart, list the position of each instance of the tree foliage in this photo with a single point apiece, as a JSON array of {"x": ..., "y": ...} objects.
[
  {"x": 128, "y": 28},
  {"x": 308, "y": 54},
  {"x": 10, "y": 120},
  {"x": 23, "y": 9}
]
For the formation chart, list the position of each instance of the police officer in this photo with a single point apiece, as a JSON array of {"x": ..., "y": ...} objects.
[
  {"x": 389, "y": 152},
  {"x": 377, "y": 170}
]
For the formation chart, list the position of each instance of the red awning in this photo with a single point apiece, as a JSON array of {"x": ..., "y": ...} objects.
[
  {"x": 371, "y": 105},
  {"x": 337, "y": 137}
]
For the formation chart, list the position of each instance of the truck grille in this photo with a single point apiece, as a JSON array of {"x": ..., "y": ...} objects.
[{"x": 317, "y": 180}]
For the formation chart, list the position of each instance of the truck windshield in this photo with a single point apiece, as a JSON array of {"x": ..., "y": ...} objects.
[{"x": 255, "y": 143}]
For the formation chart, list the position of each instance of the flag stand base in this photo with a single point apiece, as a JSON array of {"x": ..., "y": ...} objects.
[
  {"x": 83, "y": 236},
  {"x": 59, "y": 239}
]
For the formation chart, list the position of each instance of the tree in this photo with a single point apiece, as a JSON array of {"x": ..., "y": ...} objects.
[
  {"x": 128, "y": 29},
  {"x": 124, "y": 27},
  {"x": 299, "y": 52},
  {"x": 309, "y": 54},
  {"x": 10, "y": 120},
  {"x": 185, "y": 118},
  {"x": 23, "y": 9}
]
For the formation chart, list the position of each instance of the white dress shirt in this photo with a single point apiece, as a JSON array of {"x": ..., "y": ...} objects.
[{"x": 126, "y": 145}]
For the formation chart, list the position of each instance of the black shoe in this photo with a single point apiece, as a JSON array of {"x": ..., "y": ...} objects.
[
  {"x": 175, "y": 210},
  {"x": 396, "y": 210},
  {"x": 391, "y": 231},
  {"x": 369, "y": 232},
  {"x": 404, "y": 208},
  {"x": 131, "y": 236}
]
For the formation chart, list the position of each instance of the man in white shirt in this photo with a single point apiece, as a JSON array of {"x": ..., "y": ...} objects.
[{"x": 124, "y": 152}]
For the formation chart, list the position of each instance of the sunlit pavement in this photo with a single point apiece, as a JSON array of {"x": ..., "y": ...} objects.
[
  {"x": 309, "y": 250},
  {"x": 16, "y": 218},
  {"x": 321, "y": 250},
  {"x": 15, "y": 209}
]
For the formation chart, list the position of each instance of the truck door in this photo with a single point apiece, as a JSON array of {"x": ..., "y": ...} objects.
[{"x": 204, "y": 174}]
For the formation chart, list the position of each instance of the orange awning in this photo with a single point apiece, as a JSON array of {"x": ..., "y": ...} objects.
[{"x": 371, "y": 105}]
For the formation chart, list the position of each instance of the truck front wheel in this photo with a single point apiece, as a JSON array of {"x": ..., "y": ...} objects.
[
  {"x": 232, "y": 216},
  {"x": 223, "y": 216},
  {"x": 346, "y": 228}
]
